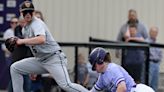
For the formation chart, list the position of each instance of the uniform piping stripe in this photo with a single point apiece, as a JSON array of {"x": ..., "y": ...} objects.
[
  {"x": 119, "y": 80},
  {"x": 97, "y": 87},
  {"x": 66, "y": 77}
]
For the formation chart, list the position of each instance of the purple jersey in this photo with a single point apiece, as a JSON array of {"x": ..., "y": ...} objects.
[{"x": 113, "y": 75}]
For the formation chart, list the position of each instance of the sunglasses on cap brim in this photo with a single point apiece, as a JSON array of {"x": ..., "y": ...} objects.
[{"x": 27, "y": 11}]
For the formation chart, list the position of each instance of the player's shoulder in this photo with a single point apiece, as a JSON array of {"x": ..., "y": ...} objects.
[
  {"x": 112, "y": 67},
  {"x": 110, "y": 70},
  {"x": 36, "y": 22}
]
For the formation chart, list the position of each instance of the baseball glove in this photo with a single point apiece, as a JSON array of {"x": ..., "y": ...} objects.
[{"x": 10, "y": 43}]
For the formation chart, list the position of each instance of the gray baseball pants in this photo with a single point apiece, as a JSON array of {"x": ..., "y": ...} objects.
[{"x": 55, "y": 65}]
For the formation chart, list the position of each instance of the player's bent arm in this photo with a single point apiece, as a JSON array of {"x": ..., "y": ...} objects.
[
  {"x": 32, "y": 41},
  {"x": 121, "y": 87}
]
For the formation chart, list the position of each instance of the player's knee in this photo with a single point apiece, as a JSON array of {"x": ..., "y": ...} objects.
[{"x": 12, "y": 68}]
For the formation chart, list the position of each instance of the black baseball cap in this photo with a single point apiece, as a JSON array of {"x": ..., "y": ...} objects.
[{"x": 27, "y": 5}]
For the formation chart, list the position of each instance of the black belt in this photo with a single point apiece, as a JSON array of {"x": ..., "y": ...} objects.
[
  {"x": 154, "y": 61},
  {"x": 134, "y": 86},
  {"x": 59, "y": 51},
  {"x": 56, "y": 52}
]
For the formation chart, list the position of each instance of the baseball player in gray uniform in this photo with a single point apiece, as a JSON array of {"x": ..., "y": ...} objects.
[{"x": 48, "y": 54}]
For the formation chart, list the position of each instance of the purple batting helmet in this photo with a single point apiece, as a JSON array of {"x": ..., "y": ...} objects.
[{"x": 97, "y": 56}]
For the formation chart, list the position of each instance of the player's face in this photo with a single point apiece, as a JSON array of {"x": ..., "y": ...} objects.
[
  {"x": 99, "y": 68},
  {"x": 27, "y": 14}
]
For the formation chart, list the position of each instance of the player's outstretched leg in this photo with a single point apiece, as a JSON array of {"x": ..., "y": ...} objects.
[{"x": 59, "y": 72}]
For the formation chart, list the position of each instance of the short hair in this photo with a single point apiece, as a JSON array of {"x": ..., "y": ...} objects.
[
  {"x": 13, "y": 18},
  {"x": 132, "y": 10},
  {"x": 107, "y": 58},
  {"x": 133, "y": 25}
]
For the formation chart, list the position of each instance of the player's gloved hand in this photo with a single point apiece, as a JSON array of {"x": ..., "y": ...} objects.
[{"x": 11, "y": 43}]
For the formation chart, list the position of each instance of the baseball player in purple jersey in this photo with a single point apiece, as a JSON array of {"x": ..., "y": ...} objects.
[
  {"x": 48, "y": 56},
  {"x": 112, "y": 78}
]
